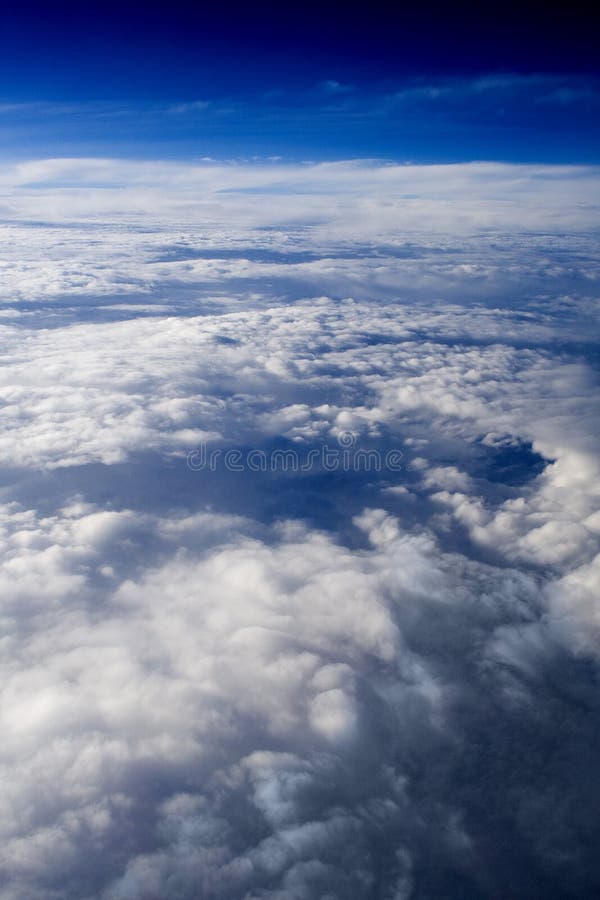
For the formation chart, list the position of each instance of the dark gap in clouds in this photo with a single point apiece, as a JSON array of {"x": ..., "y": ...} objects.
[
  {"x": 290, "y": 257},
  {"x": 80, "y": 225},
  {"x": 513, "y": 463},
  {"x": 514, "y": 776},
  {"x": 327, "y": 500}
]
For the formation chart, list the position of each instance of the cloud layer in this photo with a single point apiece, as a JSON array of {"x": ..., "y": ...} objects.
[{"x": 299, "y": 684}]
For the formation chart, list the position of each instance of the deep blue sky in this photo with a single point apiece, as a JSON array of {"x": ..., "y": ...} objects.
[{"x": 452, "y": 82}]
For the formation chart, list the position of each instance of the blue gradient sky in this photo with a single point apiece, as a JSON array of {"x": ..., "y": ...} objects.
[{"x": 183, "y": 81}]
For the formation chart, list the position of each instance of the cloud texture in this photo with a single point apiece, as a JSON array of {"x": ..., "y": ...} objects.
[{"x": 305, "y": 684}]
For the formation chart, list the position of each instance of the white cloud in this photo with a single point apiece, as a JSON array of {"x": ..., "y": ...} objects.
[
  {"x": 199, "y": 702},
  {"x": 247, "y": 671},
  {"x": 354, "y": 198}
]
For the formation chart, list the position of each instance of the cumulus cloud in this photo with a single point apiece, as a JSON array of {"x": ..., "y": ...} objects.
[
  {"x": 99, "y": 391},
  {"x": 298, "y": 684},
  {"x": 255, "y": 714}
]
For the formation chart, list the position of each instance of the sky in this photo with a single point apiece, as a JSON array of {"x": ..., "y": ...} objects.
[
  {"x": 299, "y": 471},
  {"x": 445, "y": 84}
]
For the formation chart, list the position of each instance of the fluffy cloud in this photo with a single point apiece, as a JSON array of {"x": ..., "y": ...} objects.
[
  {"x": 100, "y": 391},
  {"x": 244, "y": 717},
  {"x": 340, "y": 684}
]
